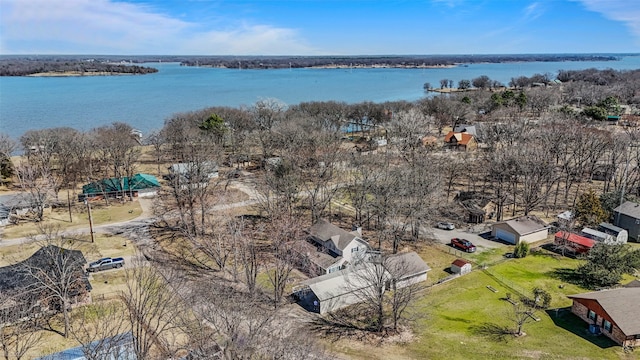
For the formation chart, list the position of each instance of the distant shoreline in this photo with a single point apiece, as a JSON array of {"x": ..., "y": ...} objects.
[
  {"x": 381, "y": 66},
  {"x": 75, "y": 74}
]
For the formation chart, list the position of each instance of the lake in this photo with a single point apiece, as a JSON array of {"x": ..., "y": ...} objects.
[{"x": 146, "y": 101}]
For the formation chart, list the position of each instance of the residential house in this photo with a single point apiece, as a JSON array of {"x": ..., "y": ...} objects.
[
  {"x": 460, "y": 266},
  {"x": 143, "y": 185},
  {"x": 19, "y": 287},
  {"x": 573, "y": 242},
  {"x": 339, "y": 289},
  {"x": 335, "y": 248},
  {"x": 615, "y": 313},
  {"x": 460, "y": 141},
  {"x": 193, "y": 172},
  {"x": 12, "y": 205},
  {"x": 627, "y": 216},
  {"x": 466, "y": 128},
  {"x": 525, "y": 228}
]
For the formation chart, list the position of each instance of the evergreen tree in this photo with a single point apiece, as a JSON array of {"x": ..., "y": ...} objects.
[{"x": 589, "y": 210}]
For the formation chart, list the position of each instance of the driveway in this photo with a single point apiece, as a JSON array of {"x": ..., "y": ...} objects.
[{"x": 473, "y": 235}]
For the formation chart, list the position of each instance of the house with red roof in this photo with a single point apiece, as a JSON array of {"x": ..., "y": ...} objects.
[{"x": 460, "y": 141}]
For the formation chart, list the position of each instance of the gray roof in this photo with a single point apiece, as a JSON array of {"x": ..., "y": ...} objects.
[
  {"x": 596, "y": 235},
  {"x": 526, "y": 224},
  {"x": 406, "y": 265},
  {"x": 317, "y": 256},
  {"x": 341, "y": 282},
  {"x": 325, "y": 231},
  {"x": 610, "y": 228},
  {"x": 622, "y": 305},
  {"x": 469, "y": 129},
  {"x": 10, "y": 202},
  {"x": 630, "y": 209}
]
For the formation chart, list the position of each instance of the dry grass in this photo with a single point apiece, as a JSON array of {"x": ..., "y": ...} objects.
[
  {"x": 102, "y": 214},
  {"x": 105, "y": 245}
]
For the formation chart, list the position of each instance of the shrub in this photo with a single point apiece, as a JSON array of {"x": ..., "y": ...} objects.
[{"x": 521, "y": 250}]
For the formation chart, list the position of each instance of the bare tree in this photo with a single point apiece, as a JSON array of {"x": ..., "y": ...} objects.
[
  {"x": 101, "y": 330},
  {"x": 34, "y": 181},
  {"x": 19, "y": 333},
  {"x": 152, "y": 305},
  {"x": 285, "y": 233},
  {"x": 240, "y": 320},
  {"x": 57, "y": 270}
]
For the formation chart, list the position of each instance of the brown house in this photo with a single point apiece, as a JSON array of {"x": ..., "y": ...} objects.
[
  {"x": 460, "y": 141},
  {"x": 615, "y": 313}
]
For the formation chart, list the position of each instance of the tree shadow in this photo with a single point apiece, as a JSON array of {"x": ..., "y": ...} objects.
[
  {"x": 494, "y": 332},
  {"x": 564, "y": 318},
  {"x": 337, "y": 327},
  {"x": 566, "y": 275}
]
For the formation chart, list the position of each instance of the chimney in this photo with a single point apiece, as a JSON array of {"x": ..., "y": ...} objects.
[{"x": 357, "y": 229}]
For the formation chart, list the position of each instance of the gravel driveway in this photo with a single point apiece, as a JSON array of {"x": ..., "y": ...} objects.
[{"x": 444, "y": 236}]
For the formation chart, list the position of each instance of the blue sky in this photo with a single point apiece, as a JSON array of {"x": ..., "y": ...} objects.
[{"x": 318, "y": 27}]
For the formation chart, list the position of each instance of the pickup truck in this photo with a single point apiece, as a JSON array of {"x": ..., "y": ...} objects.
[{"x": 105, "y": 264}]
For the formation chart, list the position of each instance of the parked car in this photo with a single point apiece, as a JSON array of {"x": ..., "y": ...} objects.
[
  {"x": 446, "y": 225},
  {"x": 463, "y": 244},
  {"x": 105, "y": 264}
]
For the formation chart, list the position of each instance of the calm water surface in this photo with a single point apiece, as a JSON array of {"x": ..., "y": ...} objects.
[{"x": 146, "y": 101}]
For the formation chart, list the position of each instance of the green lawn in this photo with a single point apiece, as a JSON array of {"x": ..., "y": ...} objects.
[
  {"x": 460, "y": 316},
  {"x": 460, "y": 312}
]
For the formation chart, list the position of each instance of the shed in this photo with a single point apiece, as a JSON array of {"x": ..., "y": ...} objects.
[
  {"x": 621, "y": 235},
  {"x": 597, "y": 235},
  {"x": 573, "y": 242},
  {"x": 460, "y": 266},
  {"x": 525, "y": 228},
  {"x": 627, "y": 216}
]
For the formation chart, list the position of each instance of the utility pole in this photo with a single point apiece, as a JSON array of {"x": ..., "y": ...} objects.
[
  {"x": 86, "y": 202},
  {"x": 69, "y": 204}
]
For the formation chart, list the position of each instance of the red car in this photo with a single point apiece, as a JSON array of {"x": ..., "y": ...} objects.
[{"x": 463, "y": 244}]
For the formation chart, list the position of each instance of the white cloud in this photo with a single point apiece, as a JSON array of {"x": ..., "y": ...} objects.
[
  {"x": 110, "y": 27},
  {"x": 533, "y": 11},
  {"x": 626, "y": 11}
]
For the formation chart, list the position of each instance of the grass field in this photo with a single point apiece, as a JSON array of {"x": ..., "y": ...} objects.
[
  {"x": 101, "y": 214},
  {"x": 460, "y": 316}
]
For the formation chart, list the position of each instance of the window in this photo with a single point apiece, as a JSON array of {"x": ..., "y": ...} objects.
[
  {"x": 592, "y": 315},
  {"x": 354, "y": 249},
  {"x": 606, "y": 325}
]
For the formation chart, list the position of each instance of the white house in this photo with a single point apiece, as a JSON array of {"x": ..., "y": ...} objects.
[
  {"x": 525, "y": 228},
  {"x": 345, "y": 287},
  {"x": 336, "y": 248}
]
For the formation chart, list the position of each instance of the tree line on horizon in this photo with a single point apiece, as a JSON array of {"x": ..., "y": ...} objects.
[{"x": 541, "y": 152}]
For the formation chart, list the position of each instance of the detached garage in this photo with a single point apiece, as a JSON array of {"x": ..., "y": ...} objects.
[{"x": 525, "y": 228}]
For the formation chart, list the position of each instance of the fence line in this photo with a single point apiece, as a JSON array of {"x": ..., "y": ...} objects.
[{"x": 507, "y": 283}]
